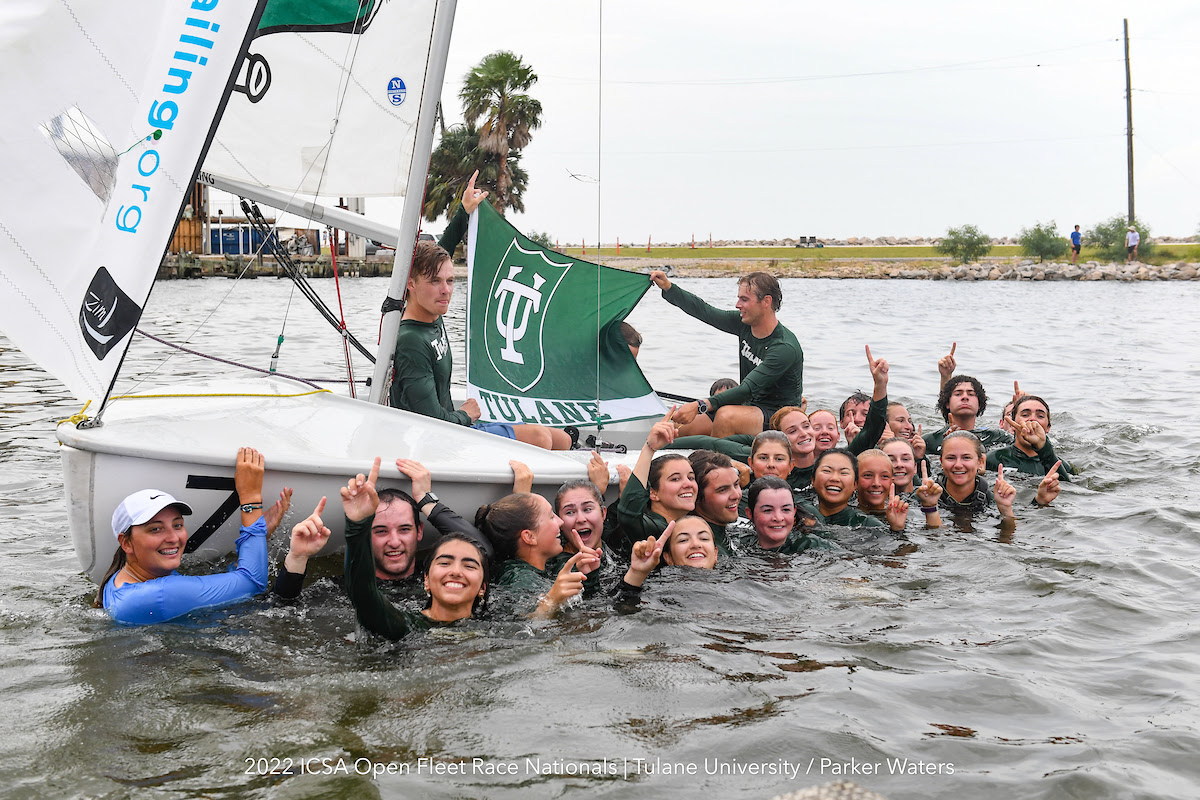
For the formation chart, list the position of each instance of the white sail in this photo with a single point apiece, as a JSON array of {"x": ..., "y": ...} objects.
[
  {"x": 328, "y": 98},
  {"x": 108, "y": 107}
]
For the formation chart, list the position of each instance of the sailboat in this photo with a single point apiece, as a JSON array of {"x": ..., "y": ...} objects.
[{"x": 111, "y": 114}]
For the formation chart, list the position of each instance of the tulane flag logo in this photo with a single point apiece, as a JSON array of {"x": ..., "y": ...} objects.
[{"x": 517, "y": 306}]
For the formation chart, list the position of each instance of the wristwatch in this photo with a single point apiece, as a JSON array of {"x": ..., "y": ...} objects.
[
  {"x": 701, "y": 407},
  {"x": 429, "y": 497},
  {"x": 248, "y": 507}
]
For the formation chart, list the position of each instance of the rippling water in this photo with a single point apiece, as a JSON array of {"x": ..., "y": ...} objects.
[{"x": 1059, "y": 662}]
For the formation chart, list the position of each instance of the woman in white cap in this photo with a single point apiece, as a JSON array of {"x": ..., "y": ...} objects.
[{"x": 142, "y": 586}]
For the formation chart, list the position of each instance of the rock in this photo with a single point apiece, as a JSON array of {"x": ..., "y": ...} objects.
[
  {"x": 994, "y": 274},
  {"x": 1186, "y": 273},
  {"x": 1040, "y": 275}
]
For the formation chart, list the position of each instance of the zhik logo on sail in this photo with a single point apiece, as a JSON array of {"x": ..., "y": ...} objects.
[
  {"x": 106, "y": 314},
  {"x": 516, "y": 312}
]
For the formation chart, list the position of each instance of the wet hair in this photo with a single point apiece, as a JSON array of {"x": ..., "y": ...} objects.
[
  {"x": 1026, "y": 398},
  {"x": 658, "y": 465},
  {"x": 972, "y": 438},
  {"x": 943, "y": 402},
  {"x": 480, "y": 603},
  {"x": 836, "y": 419},
  {"x": 705, "y": 463},
  {"x": 721, "y": 385},
  {"x": 632, "y": 337},
  {"x": 579, "y": 483},
  {"x": 763, "y": 484},
  {"x": 857, "y": 397},
  {"x": 776, "y": 422},
  {"x": 389, "y": 496},
  {"x": 770, "y": 436},
  {"x": 689, "y": 515},
  {"x": 502, "y": 522},
  {"x": 763, "y": 284},
  {"x": 427, "y": 259},
  {"x": 118, "y": 564},
  {"x": 838, "y": 451},
  {"x": 904, "y": 442},
  {"x": 894, "y": 404},
  {"x": 875, "y": 453}
]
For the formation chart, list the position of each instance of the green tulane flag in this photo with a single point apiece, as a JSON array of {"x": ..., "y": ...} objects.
[{"x": 544, "y": 340}]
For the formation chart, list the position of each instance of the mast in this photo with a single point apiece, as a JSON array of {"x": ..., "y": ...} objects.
[
  {"x": 443, "y": 24},
  {"x": 1129, "y": 121}
]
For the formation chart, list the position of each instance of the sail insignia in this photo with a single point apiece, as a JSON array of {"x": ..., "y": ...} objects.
[
  {"x": 107, "y": 314},
  {"x": 85, "y": 149}
]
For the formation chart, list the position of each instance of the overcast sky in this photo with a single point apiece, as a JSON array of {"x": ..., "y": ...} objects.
[
  {"x": 766, "y": 119},
  {"x": 763, "y": 119}
]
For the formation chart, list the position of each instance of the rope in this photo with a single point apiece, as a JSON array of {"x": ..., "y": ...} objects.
[
  {"x": 75, "y": 419},
  {"x": 219, "y": 360},
  {"x": 215, "y": 394}
]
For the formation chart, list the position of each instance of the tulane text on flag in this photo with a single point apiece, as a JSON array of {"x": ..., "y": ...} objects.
[{"x": 544, "y": 343}]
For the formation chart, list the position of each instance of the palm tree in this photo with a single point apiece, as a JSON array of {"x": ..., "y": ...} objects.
[
  {"x": 456, "y": 157},
  {"x": 494, "y": 90}
]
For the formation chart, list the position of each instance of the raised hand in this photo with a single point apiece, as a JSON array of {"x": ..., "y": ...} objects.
[
  {"x": 597, "y": 469},
  {"x": 274, "y": 514},
  {"x": 418, "y": 473},
  {"x": 522, "y": 477},
  {"x": 359, "y": 499},
  {"x": 623, "y": 473},
  {"x": 1017, "y": 393},
  {"x": 568, "y": 584},
  {"x": 472, "y": 197},
  {"x": 804, "y": 404},
  {"x": 918, "y": 444},
  {"x": 646, "y": 555},
  {"x": 310, "y": 534},
  {"x": 929, "y": 492},
  {"x": 879, "y": 370},
  {"x": 1004, "y": 493},
  {"x": 660, "y": 279},
  {"x": 1033, "y": 433},
  {"x": 591, "y": 555},
  {"x": 947, "y": 364},
  {"x": 248, "y": 475},
  {"x": 1049, "y": 487},
  {"x": 663, "y": 432},
  {"x": 897, "y": 511},
  {"x": 850, "y": 428}
]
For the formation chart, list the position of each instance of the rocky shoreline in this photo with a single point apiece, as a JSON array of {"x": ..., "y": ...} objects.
[{"x": 1006, "y": 269}]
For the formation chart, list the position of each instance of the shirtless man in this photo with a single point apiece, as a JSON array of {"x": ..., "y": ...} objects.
[{"x": 771, "y": 361}]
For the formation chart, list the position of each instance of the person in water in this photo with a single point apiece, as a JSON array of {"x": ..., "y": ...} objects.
[
  {"x": 771, "y": 362},
  {"x": 691, "y": 544},
  {"x": 142, "y": 585},
  {"x": 1031, "y": 452},
  {"x": 525, "y": 532},
  {"x": 961, "y": 402},
  {"x": 456, "y": 575},
  {"x": 778, "y": 525},
  {"x": 963, "y": 488},
  {"x": 423, "y": 363},
  {"x": 834, "y": 481},
  {"x": 719, "y": 493},
  {"x": 793, "y": 423},
  {"x": 660, "y": 489},
  {"x": 876, "y": 493}
]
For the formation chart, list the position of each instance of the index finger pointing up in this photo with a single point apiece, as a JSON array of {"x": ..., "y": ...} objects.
[
  {"x": 869, "y": 359},
  {"x": 374, "y": 476},
  {"x": 952, "y": 346}
]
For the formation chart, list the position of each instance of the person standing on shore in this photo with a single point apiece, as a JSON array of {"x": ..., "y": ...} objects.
[
  {"x": 771, "y": 361},
  {"x": 1131, "y": 244},
  {"x": 1076, "y": 244}
]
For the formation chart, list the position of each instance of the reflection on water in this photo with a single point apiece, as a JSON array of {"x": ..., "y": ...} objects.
[{"x": 1058, "y": 661}]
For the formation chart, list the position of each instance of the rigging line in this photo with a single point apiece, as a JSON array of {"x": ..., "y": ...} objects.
[
  {"x": 599, "y": 159},
  {"x": 1142, "y": 138},
  {"x": 220, "y": 360},
  {"x": 348, "y": 59}
]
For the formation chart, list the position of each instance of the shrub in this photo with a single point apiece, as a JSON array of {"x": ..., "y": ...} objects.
[
  {"x": 1043, "y": 241},
  {"x": 964, "y": 244},
  {"x": 1109, "y": 238},
  {"x": 542, "y": 238}
]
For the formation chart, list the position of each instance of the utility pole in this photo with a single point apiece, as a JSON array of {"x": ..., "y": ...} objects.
[{"x": 1129, "y": 120}]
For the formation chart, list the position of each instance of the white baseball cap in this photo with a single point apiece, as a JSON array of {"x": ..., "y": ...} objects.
[{"x": 140, "y": 507}]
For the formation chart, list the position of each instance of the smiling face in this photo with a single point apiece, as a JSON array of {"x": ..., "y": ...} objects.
[
  {"x": 579, "y": 509},
  {"x": 455, "y": 579},
  {"x": 752, "y": 308},
  {"x": 547, "y": 542},
  {"x": 430, "y": 298},
  {"x": 825, "y": 430},
  {"x": 774, "y": 516},
  {"x": 394, "y": 537},
  {"x": 722, "y": 493},
  {"x": 834, "y": 482},
  {"x": 874, "y": 482},
  {"x": 904, "y": 467},
  {"x": 156, "y": 547},
  {"x": 856, "y": 412},
  {"x": 691, "y": 545},
  {"x": 796, "y": 427},
  {"x": 900, "y": 422},
  {"x": 960, "y": 463},
  {"x": 676, "y": 490},
  {"x": 771, "y": 458}
]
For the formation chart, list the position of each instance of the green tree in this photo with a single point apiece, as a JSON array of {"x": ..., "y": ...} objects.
[
  {"x": 1109, "y": 238},
  {"x": 495, "y": 91},
  {"x": 542, "y": 238},
  {"x": 451, "y": 165},
  {"x": 964, "y": 244},
  {"x": 1043, "y": 241}
]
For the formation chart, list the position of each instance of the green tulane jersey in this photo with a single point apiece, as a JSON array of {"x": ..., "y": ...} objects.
[
  {"x": 424, "y": 365},
  {"x": 771, "y": 368}
]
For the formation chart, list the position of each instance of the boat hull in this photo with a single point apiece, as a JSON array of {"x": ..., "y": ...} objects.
[{"x": 185, "y": 441}]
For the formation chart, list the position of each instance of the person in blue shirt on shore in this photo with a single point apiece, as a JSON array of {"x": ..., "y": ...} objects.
[
  {"x": 142, "y": 585},
  {"x": 1076, "y": 244}
]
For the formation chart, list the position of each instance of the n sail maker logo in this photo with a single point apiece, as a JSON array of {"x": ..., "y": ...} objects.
[
  {"x": 518, "y": 304},
  {"x": 107, "y": 314}
]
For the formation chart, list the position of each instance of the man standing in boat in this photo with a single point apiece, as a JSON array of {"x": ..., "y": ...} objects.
[
  {"x": 423, "y": 362},
  {"x": 770, "y": 359}
]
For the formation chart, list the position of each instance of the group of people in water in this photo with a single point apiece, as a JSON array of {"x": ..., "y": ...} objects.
[{"x": 747, "y": 469}]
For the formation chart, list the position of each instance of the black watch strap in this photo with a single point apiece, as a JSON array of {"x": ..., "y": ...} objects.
[{"x": 429, "y": 497}]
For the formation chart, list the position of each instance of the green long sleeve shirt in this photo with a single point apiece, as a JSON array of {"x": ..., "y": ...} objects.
[
  {"x": 374, "y": 611},
  {"x": 1039, "y": 464},
  {"x": 771, "y": 368}
]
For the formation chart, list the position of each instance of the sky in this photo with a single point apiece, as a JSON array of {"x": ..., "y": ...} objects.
[{"x": 768, "y": 119}]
